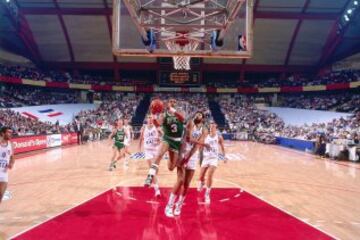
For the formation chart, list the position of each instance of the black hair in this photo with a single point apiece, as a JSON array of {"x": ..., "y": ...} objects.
[{"x": 4, "y": 129}]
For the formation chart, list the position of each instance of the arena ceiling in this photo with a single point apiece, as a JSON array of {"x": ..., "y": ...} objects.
[{"x": 286, "y": 33}]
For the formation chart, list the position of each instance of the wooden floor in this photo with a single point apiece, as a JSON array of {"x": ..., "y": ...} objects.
[{"x": 321, "y": 192}]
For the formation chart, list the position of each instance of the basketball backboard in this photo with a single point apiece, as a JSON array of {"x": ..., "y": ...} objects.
[{"x": 193, "y": 28}]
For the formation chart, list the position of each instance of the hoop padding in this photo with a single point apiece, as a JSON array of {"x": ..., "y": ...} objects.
[{"x": 181, "y": 62}]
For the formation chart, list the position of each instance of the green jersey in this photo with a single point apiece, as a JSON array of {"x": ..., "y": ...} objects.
[
  {"x": 172, "y": 127},
  {"x": 119, "y": 135}
]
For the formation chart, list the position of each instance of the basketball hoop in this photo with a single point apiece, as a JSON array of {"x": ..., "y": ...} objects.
[{"x": 180, "y": 45}]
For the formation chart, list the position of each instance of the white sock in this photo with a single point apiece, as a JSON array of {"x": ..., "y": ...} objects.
[
  {"x": 172, "y": 199},
  {"x": 153, "y": 169},
  {"x": 156, "y": 187},
  {"x": 181, "y": 199},
  {"x": 208, "y": 191}
]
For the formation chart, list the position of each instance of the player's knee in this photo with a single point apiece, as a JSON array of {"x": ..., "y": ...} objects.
[{"x": 180, "y": 180}]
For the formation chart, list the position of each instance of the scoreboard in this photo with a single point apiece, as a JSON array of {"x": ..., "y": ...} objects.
[{"x": 177, "y": 78}]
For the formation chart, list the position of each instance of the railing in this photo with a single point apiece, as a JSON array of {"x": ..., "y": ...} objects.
[{"x": 154, "y": 88}]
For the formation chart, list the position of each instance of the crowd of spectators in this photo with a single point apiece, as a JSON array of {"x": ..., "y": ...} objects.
[
  {"x": 340, "y": 102},
  {"x": 297, "y": 80},
  {"x": 342, "y": 128},
  {"x": 49, "y": 76},
  {"x": 112, "y": 107},
  {"x": 352, "y": 105},
  {"x": 19, "y": 95},
  {"x": 24, "y": 126},
  {"x": 293, "y": 80},
  {"x": 63, "y": 76},
  {"x": 242, "y": 115}
]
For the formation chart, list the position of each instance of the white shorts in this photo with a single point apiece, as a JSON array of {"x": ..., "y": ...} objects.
[
  {"x": 207, "y": 162},
  {"x": 150, "y": 153},
  {"x": 191, "y": 164},
  {"x": 4, "y": 176},
  {"x": 127, "y": 142}
]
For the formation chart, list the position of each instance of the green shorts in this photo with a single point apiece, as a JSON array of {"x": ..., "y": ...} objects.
[
  {"x": 173, "y": 144},
  {"x": 119, "y": 145}
]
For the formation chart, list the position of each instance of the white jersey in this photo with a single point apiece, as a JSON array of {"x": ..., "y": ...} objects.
[
  {"x": 213, "y": 151},
  {"x": 151, "y": 138},
  {"x": 5, "y": 154},
  {"x": 127, "y": 129},
  {"x": 195, "y": 134},
  {"x": 127, "y": 139}
]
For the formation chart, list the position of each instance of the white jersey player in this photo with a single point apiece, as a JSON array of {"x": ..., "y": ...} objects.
[
  {"x": 210, "y": 159},
  {"x": 6, "y": 158},
  {"x": 150, "y": 141},
  {"x": 196, "y": 133}
]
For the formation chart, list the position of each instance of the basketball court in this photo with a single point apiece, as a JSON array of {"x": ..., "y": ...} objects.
[{"x": 262, "y": 192}]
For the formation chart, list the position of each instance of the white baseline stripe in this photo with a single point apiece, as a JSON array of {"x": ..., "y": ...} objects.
[{"x": 283, "y": 210}]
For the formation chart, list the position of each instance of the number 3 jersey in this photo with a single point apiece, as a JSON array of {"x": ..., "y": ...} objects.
[{"x": 172, "y": 127}]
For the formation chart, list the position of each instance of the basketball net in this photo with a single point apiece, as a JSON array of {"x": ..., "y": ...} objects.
[{"x": 181, "y": 62}]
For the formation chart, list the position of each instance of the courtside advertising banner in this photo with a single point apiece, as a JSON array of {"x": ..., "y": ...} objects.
[
  {"x": 68, "y": 138},
  {"x": 30, "y": 143},
  {"x": 53, "y": 140}
]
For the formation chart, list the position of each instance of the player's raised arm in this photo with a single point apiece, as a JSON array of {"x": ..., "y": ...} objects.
[
  {"x": 178, "y": 114},
  {"x": 158, "y": 119},
  {"x": 160, "y": 131},
  {"x": 199, "y": 142},
  {"x": 171, "y": 108}
]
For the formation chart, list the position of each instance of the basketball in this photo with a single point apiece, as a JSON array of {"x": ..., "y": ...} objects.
[{"x": 157, "y": 106}]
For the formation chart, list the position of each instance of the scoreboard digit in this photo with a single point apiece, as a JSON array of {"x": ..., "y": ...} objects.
[{"x": 179, "y": 78}]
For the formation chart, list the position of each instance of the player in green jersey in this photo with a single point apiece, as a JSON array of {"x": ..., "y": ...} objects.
[
  {"x": 118, "y": 134},
  {"x": 172, "y": 122},
  {"x": 193, "y": 139}
]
